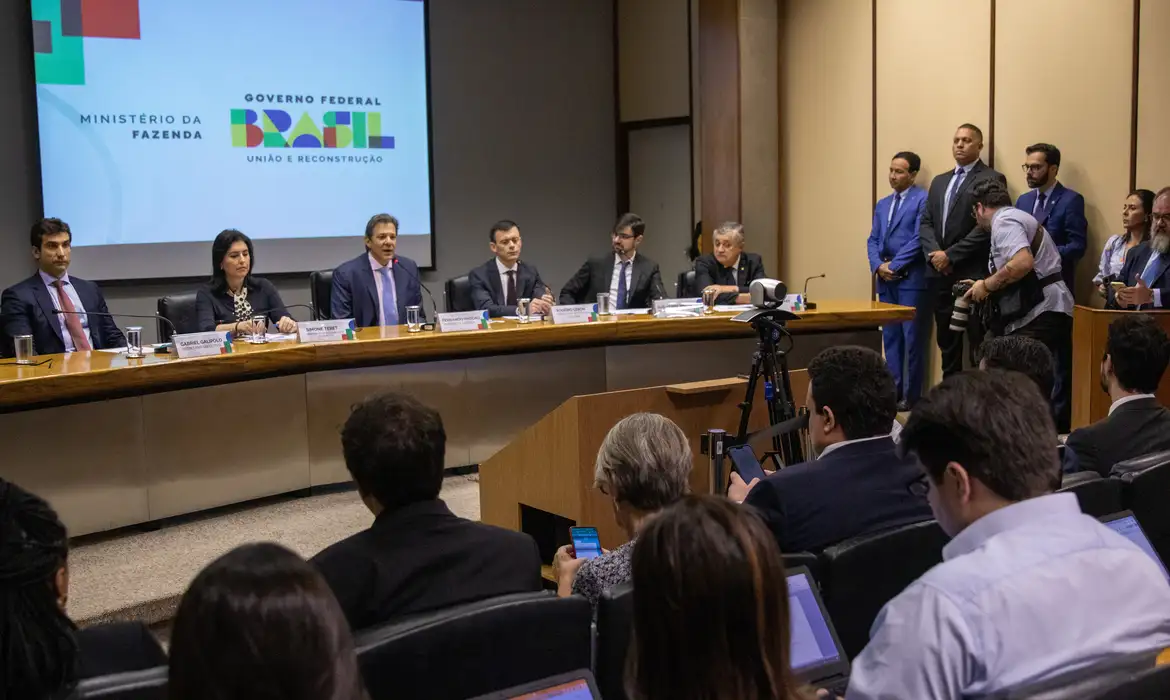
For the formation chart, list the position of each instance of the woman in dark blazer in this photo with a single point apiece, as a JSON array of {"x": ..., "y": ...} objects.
[
  {"x": 728, "y": 270},
  {"x": 233, "y": 296}
]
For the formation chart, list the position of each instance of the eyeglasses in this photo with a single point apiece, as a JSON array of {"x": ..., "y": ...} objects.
[
  {"x": 1033, "y": 167},
  {"x": 919, "y": 487},
  {"x": 623, "y": 236}
]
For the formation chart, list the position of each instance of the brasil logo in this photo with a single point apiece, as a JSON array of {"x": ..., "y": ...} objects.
[{"x": 273, "y": 128}]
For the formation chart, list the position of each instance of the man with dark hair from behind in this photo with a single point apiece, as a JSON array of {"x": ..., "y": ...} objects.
[
  {"x": 1136, "y": 354},
  {"x": 852, "y": 403},
  {"x": 1017, "y": 353},
  {"x": 417, "y": 555},
  {"x": 1029, "y": 586}
]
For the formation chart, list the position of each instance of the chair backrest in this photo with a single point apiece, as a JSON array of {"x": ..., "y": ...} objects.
[
  {"x": 806, "y": 559},
  {"x": 862, "y": 574},
  {"x": 179, "y": 309},
  {"x": 478, "y": 648},
  {"x": 1097, "y": 497},
  {"x": 458, "y": 294},
  {"x": 321, "y": 293},
  {"x": 615, "y": 622},
  {"x": 1153, "y": 683},
  {"x": 1090, "y": 681},
  {"x": 686, "y": 284},
  {"x": 150, "y": 684},
  {"x": 1145, "y": 491}
]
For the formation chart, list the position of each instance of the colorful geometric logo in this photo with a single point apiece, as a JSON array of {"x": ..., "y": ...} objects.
[
  {"x": 59, "y": 27},
  {"x": 273, "y": 128}
]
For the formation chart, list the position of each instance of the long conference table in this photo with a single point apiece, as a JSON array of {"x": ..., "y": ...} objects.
[{"x": 112, "y": 441}]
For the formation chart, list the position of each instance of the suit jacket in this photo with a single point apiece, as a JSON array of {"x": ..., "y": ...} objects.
[
  {"x": 422, "y": 557},
  {"x": 595, "y": 275},
  {"x": 966, "y": 245},
  {"x": 709, "y": 271},
  {"x": 27, "y": 309},
  {"x": 355, "y": 294},
  {"x": 1064, "y": 218},
  {"x": 1135, "y": 428},
  {"x": 487, "y": 292},
  {"x": 118, "y": 647},
  {"x": 855, "y": 489},
  {"x": 1135, "y": 265},
  {"x": 213, "y": 308},
  {"x": 896, "y": 241}
]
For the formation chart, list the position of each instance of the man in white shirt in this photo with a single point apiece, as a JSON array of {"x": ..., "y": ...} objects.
[
  {"x": 1030, "y": 588},
  {"x": 499, "y": 284},
  {"x": 631, "y": 280}
]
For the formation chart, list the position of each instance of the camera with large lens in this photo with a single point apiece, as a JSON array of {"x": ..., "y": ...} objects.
[{"x": 961, "y": 313}]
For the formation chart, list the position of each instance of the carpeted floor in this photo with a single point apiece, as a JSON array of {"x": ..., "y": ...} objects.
[{"x": 133, "y": 575}]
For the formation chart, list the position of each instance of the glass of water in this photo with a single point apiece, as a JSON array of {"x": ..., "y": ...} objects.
[
  {"x": 134, "y": 342},
  {"x": 259, "y": 330},
  {"x": 709, "y": 300},
  {"x": 603, "y": 307},
  {"x": 524, "y": 310},
  {"x": 413, "y": 319},
  {"x": 24, "y": 349}
]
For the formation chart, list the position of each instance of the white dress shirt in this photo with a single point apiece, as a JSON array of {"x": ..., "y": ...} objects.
[
  {"x": 504, "y": 279},
  {"x": 71, "y": 292},
  {"x": 1026, "y": 593},
  {"x": 613, "y": 281},
  {"x": 377, "y": 268},
  {"x": 1126, "y": 399},
  {"x": 843, "y": 443}
]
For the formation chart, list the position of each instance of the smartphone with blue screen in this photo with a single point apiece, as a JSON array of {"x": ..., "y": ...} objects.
[
  {"x": 586, "y": 544},
  {"x": 744, "y": 461}
]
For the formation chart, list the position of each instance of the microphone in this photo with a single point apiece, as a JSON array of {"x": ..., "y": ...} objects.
[
  {"x": 434, "y": 307},
  {"x": 811, "y": 306},
  {"x": 161, "y": 349}
]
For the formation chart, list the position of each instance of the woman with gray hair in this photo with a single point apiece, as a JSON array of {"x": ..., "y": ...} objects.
[
  {"x": 727, "y": 269},
  {"x": 643, "y": 465}
]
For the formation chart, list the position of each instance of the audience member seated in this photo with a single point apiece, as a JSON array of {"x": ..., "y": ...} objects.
[
  {"x": 632, "y": 281},
  {"x": 498, "y": 284},
  {"x": 259, "y": 622},
  {"x": 42, "y": 653},
  {"x": 1029, "y": 588},
  {"x": 417, "y": 555},
  {"x": 1146, "y": 273},
  {"x": 234, "y": 296},
  {"x": 711, "y": 616},
  {"x": 728, "y": 270},
  {"x": 1136, "y": 354},
  {"x": 1135, "y": 219},
  {"x": 1017, "y": 353},
  {"x": 851, "y": 402},
  {"x": 643, "y": 465}
]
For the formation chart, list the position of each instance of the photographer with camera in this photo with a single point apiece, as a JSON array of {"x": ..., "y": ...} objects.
[{"x": 1025, "y": 293}]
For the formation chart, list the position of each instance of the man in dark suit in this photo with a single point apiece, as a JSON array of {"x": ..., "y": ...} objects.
[
  {"x": 895, "y": 256},
  {"x": 728, "y": 270},
  {"x": 51, "y": 305},
  {"x": 375, "y": 288},
  {"x": 954, "y": 245},
  {"x": 631, "y": 280},
  {"x": 857, "y": 483},
  {"x": 500, "y": 282},
  {"x": 417, "y": 556},
  {"x": 1147, "y": 267},
  {"x": 1136, "y": 354}
]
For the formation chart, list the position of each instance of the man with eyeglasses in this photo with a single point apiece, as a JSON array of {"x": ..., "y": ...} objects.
[
  {"x": 631, "y": 280},
  {"x": 1147, "y": 267},
  {"x": 1058, "y": 209}
]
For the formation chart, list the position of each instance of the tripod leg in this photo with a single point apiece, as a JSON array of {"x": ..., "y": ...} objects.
[{"x": 745, "y": 408}]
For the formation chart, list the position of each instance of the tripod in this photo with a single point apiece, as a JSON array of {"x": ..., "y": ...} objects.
[{"x": 770, "y": 362}]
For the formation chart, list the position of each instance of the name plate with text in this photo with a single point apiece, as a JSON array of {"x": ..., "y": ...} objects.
[
  {"x": 463, "y": 321},
  {"x": 574, "y": 313},
  {"x": 325, "y": 331},
  {"x": 202, "y": 344}
]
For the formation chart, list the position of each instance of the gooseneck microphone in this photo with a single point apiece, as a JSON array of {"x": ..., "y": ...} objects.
[
  {"x": 162, "y": 349},
  {"x": 434, "y": 306},
  {"x": 809, "y": 304}
]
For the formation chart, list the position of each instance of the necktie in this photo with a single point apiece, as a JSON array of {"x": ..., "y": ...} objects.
[
  {"x": 894, "y": 211},
  {"x": 389, "y": 303},
  {"x": 1154, "y": 269},
  {"x": 1040, "y": 201},
  {"x": 510, "y": 299},
  {"x": 621, "y": 300},
  {"x": 956, "y": 181},
  {"x": 72, "y": 320}
]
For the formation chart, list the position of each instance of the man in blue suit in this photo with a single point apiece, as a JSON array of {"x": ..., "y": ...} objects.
[
  {"x": 1147, "y": 267},
  {"x": 895, "y": 256},
  {"x": 375, "y": 288},
  {"x": 51, "y": 306}
]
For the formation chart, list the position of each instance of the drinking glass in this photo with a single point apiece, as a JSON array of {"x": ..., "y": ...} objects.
[
  {"x": 413, "y": 319},
  {"x": 709, "y": 301},
  {"x": 134, "y": 342},
  {"x": 523, "y": 310},
  {"x": 24, "y": 349},
  {"x": 603, "y": 307},
  {"x": 259, "y": 330}
]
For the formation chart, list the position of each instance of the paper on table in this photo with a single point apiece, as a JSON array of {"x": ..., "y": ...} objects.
[
  {"x": 533, "y": 317},
  {"x": 630, "y": 312},
  {"x": 281, "y": 337},
  {"x": 122, "y": 350},
  {"x": 734, "y": 307}
]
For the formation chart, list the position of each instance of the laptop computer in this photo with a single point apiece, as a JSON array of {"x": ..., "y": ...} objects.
[
  {"x": 817, "y": 656},
  {"x": 576, "y": 685},
  {"x": 1126, "y": 525}
]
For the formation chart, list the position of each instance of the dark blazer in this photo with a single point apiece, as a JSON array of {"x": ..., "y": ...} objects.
[
  {"x": 1064, "y": 219},
  {"x": 422, "y": 557},
  {"x": 355, "y": 294},
  {"x": 896, "y": 242},
  {"x": 855, "y": 489},
  {"x": 116, "y": 648},
  {"x": 27, "y": 309},
  {"x": 595, "y": 275},
  {"x": 709, "y": 271},
  {"x": 966, "y": 245},
  {"x": 213, "y": 308},
  {"x": 1136, "y": 428},
  {"x": 487, "y": 292},
  {"x": 1135, "y": 265}
]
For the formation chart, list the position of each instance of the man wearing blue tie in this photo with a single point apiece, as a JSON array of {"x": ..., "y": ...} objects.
[
  {"x": 1147, "y": 266},
  {"x": 895, "y": 256},
  {"x": 375, "y": 288}
]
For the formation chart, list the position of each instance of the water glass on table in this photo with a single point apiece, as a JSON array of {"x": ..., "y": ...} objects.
[
  {"x": 24, "y": 349},
  {"x": 413, "y": 319},
  {"x": 524, "y": 310},
  {"x": 604, "y": 308},
  {"x": 134, "y": 343},
  {"x": 709, "y": 296},
  {"x": 259, "y": 330}
]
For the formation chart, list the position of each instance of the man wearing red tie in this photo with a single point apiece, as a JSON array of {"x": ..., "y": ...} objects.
[{"x": 51, "y": 306}]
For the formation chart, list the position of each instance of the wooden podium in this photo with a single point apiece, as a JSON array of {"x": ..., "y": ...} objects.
[
  {"x": 1090, "y": 331},
  {"x": 542, "y": 482}
]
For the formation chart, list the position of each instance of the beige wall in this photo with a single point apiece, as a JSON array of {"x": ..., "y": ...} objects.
[{"x": 1153, "y": 161}]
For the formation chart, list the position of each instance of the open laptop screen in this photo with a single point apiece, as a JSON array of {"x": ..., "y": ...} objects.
[
  {"x": 812, "y": 642},
  {"x": 573, "y": 690},
  {"x": 1127, "y": 526}
]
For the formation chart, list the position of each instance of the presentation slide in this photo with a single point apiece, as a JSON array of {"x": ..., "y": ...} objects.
[{"x": 163, "y": 123}]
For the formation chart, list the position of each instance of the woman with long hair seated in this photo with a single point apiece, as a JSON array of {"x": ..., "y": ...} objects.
[
  {"x": 260, "y": 622},
  {"x": 1135, "y": 219},
  {"x": 233, "y": 296},
  {"x": 710, "y": 607},
  {"x": 42, "y": 653}
]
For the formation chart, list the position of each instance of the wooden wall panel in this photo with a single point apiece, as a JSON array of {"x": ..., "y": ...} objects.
[
  {"x": 719, "y": 110},
  {"x": 1153, "y": 138}
]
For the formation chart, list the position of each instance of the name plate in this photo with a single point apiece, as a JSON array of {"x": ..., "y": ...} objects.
[
  {"x": 325, "y": 331},
  {"x": 463, "y": 321},
  {"x": 574, "y": 313},
  {"x": 202, "y": 344}
]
